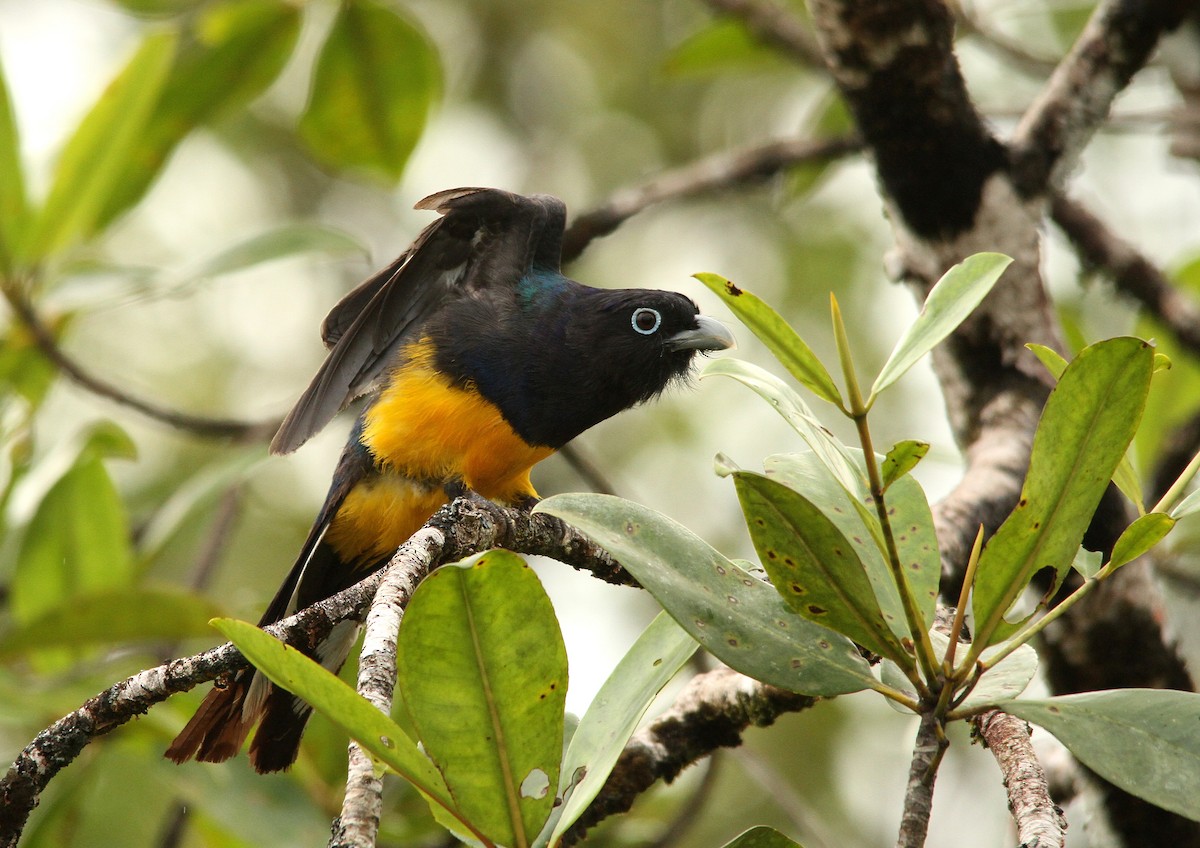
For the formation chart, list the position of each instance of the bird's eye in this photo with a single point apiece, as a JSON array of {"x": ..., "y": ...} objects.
[{"x": 646, "y": 320}]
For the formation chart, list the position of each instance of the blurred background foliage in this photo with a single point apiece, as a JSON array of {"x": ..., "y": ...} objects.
[{"x": 186, "y": 186}]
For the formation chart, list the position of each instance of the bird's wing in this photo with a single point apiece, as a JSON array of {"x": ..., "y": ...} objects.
[{"x": 485, "y": 239}]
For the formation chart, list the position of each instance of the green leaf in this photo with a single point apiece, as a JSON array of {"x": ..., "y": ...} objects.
[
  {"x": 791, "y": 350},
  {"x": 912, "y": 525},
  {"x": 1125, "y": 478},
  {"x": 1187, "y": 506},
  {"x": 901, "y": 459},
  {"x": 948, "y": 304},
  {"x": 14, "y": 207},
  {"x": 286, "y": 667},
  {"x": 739, "y": 618},
  {"x": 813, "y": 566},
  {"x": 1088, "y": 422},
  {"x": 233, "y": 51},
  {"x": 1054, "y": 361},
  {"x": 376, "y": 80},
  {"x": 101, "y": 151},
  {"x": 77, "y": 541},
  {"x": 762, "y": 837},
  {"x": 280, "y": 243},
  {"x": 111, "y": 617},
  {"x": 483, "y": 671},
  {"x": 788, "y": 403},
  {"x": 1139, "y": 537},
  {"x": 1088, "y": 563},
  {"x": 1142, "y": 740},
  {"x": 613, "y": 715}
]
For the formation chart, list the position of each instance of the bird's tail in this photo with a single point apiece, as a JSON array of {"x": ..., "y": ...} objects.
[{"x": 219, "y": 727}]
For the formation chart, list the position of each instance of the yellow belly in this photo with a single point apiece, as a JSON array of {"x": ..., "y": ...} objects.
[
  {"x": 425, "y": 428},
  {"x": 379, "y": 514}
]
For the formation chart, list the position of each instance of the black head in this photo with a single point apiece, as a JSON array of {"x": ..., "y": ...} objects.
[{"x": 577, "y": 355}]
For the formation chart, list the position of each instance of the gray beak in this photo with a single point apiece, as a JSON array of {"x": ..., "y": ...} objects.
[{"x": 708, "y": 334}]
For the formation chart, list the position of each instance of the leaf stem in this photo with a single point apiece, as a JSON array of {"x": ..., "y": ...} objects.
[
  {"x": 858, "y": 413},
  {"x": 960, "y": 611}
]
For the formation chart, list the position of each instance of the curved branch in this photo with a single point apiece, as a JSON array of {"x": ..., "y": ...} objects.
[
  {"x": 212, "y": 428},
  {"x": 711, "y": 712},
  {"x": 716, "y": 173},
  {"x": 1039, "y": 820},
  {"x": 459, "y": 529},
  {"x": 1115, "y": 44}
]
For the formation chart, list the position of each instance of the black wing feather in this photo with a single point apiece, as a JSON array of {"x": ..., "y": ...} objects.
[{"x": 486, "y": 239}]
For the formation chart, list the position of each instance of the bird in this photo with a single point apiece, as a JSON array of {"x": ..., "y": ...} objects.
[{"x": 478, "y": 358}]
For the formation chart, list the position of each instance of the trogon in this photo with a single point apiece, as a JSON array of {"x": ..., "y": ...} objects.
[{"x": 478, "y": 359}]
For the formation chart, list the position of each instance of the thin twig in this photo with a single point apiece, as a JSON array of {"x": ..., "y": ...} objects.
[
  {"x": 213, "y": 428},
  {"x": 922, "y": 774},
  {"x": 716, "y": 173},
  {"x": 712, "y": 711},
  {"x": 1131, "y": 272},
  {"x": 1115, "y": 44}
]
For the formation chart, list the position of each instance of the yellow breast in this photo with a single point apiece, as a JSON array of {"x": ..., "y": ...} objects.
[
  {"x": 426, "y": 428},
  {"x": 379, "y": 514}
]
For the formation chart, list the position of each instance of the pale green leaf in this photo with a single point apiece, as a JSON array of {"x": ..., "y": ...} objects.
[
  {"x": 376, "y": 79},
  {"x": 948, "y": 304},
  {"x": 613, "y": 715},
  {"x": 1142, "y": 740},
  {"x": 97, "y": 157},
  {"x": 762, "y": 837},
  {"x": 788, "y": 403},
  {"x": 377, "y": 733},
  {"x": 1140, "y": 536},
  {"x": 1086, "y": 426},
  {"x": 737, "y": 617},
  {"x": 792, "y": 352}
]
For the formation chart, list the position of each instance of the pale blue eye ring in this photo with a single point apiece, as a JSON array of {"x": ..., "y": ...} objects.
[{"x": 646, "y": 320}]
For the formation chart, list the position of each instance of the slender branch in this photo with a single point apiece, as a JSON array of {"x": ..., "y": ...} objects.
[
  {"x": 716, "y": 173},
  {"x": 213, "y": 428},
  {"x": 1131, "y": 272},
  {"x": 930, "y": 745},
  {"x": 457, "y": 530},
  {"x": 1039, "y": 820},
  {"x": 1115, "y": 44},
  {"x": 712, "y": 711}
]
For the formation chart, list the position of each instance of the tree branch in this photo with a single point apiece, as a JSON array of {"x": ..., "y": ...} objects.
[
  {"x": 1039, "y": 820},
  {"x": 459, "y": 529},
  {"x": 712, "y": 711},
  {"x": 212, "y": 428},
  {"x": 928, "y": 749},
  {"x": 1117, "y": 42},
  {"x": 1131, "y": 272},
  {"x": 716, "y": 173}
]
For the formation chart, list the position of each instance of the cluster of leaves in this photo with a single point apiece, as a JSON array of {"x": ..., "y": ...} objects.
[{"x": 847, "y": 543}]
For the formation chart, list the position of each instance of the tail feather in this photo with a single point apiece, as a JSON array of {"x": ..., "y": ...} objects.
[{"x": 219, "y": 727}]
